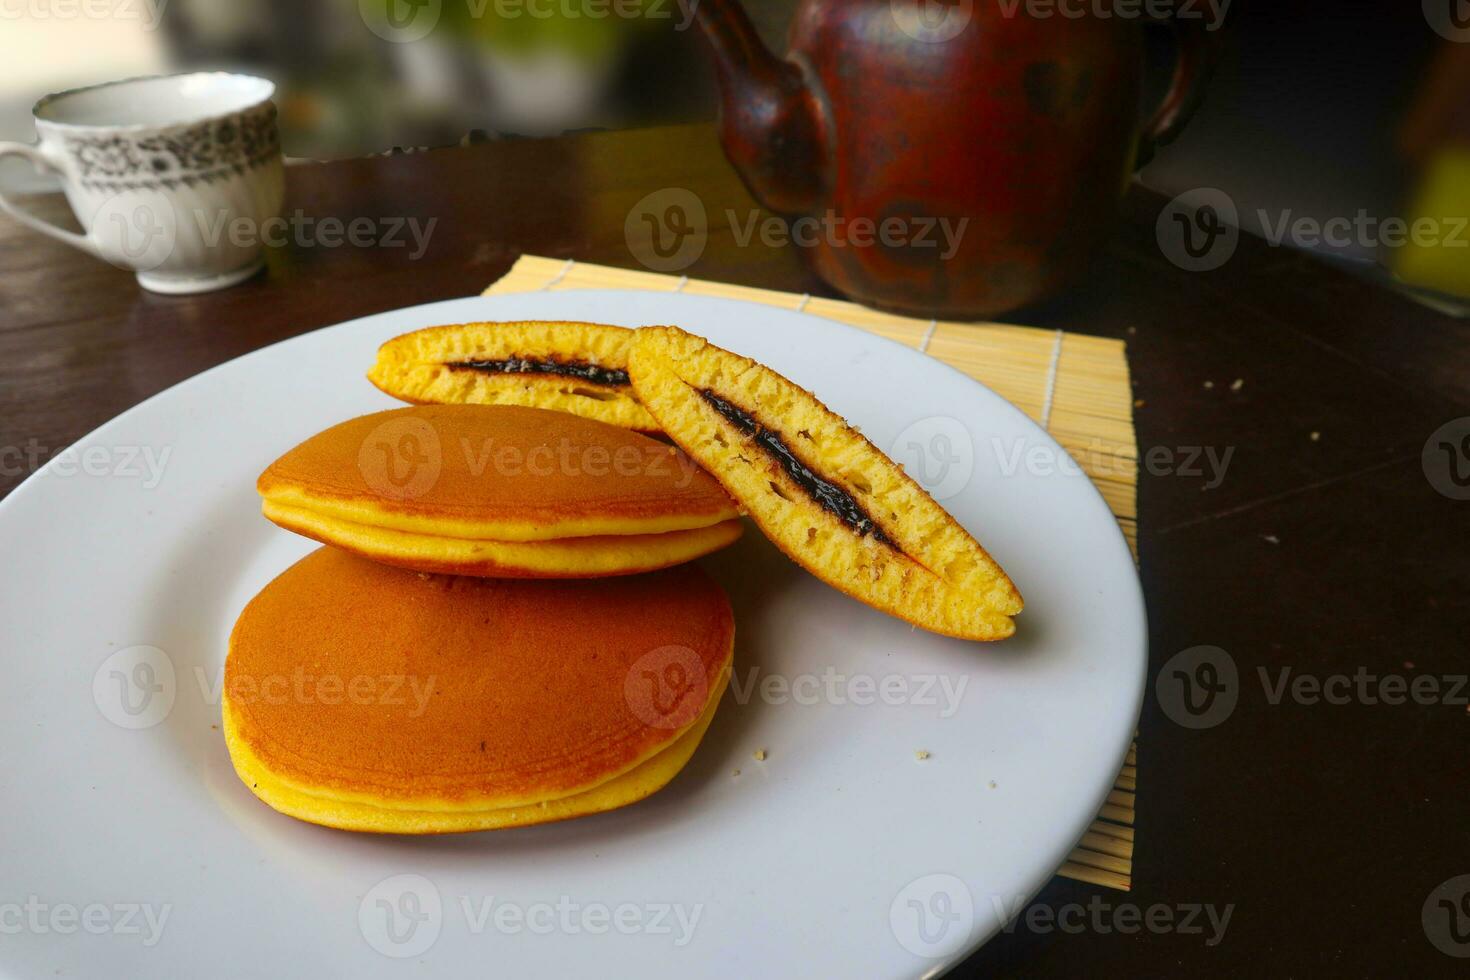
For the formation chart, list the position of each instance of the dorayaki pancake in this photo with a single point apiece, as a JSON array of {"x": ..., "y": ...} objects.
[
  {"x": 499, "y": 491},
  {"x": 581, "y": 368},
  {"x": 366, "y": 697},
  {"x": 824, "y": 494}
]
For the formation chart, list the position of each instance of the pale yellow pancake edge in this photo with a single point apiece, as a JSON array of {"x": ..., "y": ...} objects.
[
  {"x": 367, "y": 511},
  {"x": 580, "y": 557},
  {"x": 630, "y": 786}
]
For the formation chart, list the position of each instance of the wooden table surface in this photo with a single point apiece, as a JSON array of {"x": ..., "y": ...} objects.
[{"x": 1325, "y": 827}]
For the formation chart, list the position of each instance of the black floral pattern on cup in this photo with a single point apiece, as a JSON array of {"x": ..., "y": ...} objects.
[{"x": 201, "y": 153}]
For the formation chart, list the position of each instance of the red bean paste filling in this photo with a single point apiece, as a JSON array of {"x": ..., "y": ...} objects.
[
  {"x": 828, "y": 496},
  {"x": 580, "y": 370}
]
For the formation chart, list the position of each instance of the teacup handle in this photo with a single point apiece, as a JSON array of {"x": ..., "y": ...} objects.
[{"x": 42, "y": 161}]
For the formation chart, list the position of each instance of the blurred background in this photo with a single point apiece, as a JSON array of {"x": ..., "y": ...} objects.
[{"x": 1317, "y": 110}]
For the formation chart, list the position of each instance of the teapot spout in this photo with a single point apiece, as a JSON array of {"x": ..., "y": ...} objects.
[{"x": 769, "y": 124}]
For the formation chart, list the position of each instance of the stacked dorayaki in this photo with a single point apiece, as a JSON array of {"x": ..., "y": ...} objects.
[{"x": 504, "y": 627}]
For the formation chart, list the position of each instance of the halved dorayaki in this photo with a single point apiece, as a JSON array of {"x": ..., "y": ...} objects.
[
  {"x": 818, "y": 489},
  {"x": 366, "y": 697},
  {"x": 581, "y": 368},
  {"x": 499, "y": 491}
]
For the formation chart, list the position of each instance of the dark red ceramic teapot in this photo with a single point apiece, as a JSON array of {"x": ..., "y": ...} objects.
[{"x": 952, "y": 159}]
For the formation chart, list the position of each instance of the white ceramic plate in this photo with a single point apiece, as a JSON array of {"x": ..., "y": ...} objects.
[{"x": 131, "y": 849}]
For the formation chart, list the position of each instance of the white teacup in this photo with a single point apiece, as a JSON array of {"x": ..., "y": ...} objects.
[{"x": 159, "y": 170}]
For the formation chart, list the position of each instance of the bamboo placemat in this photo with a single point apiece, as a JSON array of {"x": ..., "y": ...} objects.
[{"x": 1076, "y": 387}]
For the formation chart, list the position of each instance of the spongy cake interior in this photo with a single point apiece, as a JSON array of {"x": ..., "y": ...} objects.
[
  {"x": 937, "y": 575},
  {"x": 574, "y": 557},
  {"x": 417, "y": 367}
]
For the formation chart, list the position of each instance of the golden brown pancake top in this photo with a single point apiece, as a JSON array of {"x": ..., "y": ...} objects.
[
  {"x": 364, "y": 679},
  {"x": 500, "y": 464}
]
